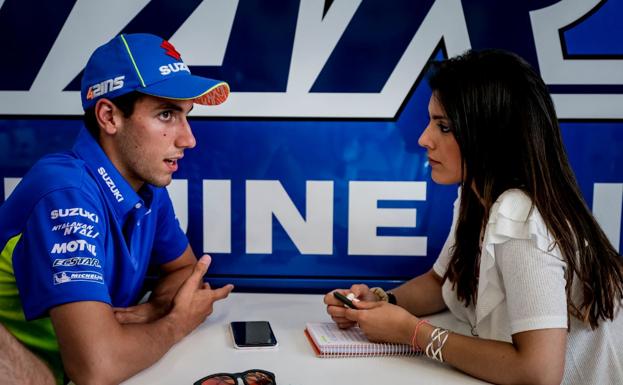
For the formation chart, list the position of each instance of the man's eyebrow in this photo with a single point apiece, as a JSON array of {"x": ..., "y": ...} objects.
[
  {"x": 173, "y": 106},
  {"x": 169, "y": 106}
]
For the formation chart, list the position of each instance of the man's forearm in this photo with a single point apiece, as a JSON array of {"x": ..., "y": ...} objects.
[
  {"x": 97, "y": 349},
  {"x": 167, "y": 287},
  {"x": 118, "y": 351},
  {"x": 174, "y": 274},
  {"x": 20, "y": 366}
]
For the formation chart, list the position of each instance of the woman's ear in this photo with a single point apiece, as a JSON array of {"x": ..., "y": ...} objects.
[{"x": 108, "y": 116}]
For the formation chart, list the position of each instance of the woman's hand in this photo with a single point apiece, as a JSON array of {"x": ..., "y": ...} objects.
[
  {"x": 336, "y": 309},
  {"x": 383, "y": 322}
]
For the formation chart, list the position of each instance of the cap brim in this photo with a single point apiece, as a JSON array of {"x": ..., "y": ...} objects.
[{"x": 196, "y": 88}]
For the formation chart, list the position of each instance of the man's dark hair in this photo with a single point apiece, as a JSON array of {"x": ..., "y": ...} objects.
[{"x": 124, "y": 102}]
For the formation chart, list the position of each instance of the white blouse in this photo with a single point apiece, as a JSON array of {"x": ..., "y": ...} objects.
[{"x": 522, "y": 287}]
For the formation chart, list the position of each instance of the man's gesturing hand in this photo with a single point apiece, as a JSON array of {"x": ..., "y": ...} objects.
[{"x": 194, "y": 300}]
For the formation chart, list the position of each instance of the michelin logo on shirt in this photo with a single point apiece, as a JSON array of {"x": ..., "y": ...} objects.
[{"x": 76, "y": 276}]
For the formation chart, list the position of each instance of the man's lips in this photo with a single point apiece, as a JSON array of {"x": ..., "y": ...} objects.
[{"x": 172, "y": 162}]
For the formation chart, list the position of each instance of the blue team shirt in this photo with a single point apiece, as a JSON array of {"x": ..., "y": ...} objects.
[{"x": 86, "y": 235}]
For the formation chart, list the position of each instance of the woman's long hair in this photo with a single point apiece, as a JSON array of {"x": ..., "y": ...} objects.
[{"x": 505, "y": 124}]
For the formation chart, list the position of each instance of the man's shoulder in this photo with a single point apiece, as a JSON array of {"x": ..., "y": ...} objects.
[
  {"x": 56, "y": 171},
  {"x": 52, "y": 173}
]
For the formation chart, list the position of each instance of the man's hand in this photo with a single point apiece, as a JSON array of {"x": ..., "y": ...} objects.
[{"x": 195, "y": 299}]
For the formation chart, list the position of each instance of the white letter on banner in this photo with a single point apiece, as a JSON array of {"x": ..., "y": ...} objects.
[
  {"x": 364, "y": 217},
  {"x": 556, "y": 68},
  {"x": 204, "y": 35},
  {"x": 315, "y": 39},
  {"x": 217, "y": 216},
  {"x": 607, "y": 207},
  {"x": 178, "y": 191},
  {"x": 313, "y": 235},
  {"x": 9, "y": 186}
]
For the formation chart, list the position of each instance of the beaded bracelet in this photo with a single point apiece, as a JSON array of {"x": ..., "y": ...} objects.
[
  {"x": 414, "y": 343},
  {"x": 383, "y": 295},
  {"x": 380, "y": 293},
  {"x": 438, "y": 339}
]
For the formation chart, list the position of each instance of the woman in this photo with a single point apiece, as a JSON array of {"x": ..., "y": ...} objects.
[{"x": 525, "y": 264}]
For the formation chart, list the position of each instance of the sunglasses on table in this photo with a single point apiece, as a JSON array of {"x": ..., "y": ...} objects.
[{"x": 248, "y": 377}]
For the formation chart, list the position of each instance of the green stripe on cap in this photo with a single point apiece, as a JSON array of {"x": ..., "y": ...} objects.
[{"x": 132, "y": 59}]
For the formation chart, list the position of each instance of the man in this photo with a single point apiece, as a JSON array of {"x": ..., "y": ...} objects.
[{"x": 79, "y": 232}]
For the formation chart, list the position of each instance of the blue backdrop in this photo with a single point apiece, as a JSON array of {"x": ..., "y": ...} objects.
[{"x": 322, "y": 92}]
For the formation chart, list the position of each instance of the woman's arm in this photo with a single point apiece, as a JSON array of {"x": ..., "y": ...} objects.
[
  {"x": 421, "y": 295},
  {"x": 534, "y": 357}
]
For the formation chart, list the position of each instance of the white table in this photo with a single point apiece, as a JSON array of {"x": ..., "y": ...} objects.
[{"x": 209, "y": 349}]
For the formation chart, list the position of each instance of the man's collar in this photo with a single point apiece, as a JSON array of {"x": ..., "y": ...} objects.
[{"x": 116, "y": 189}]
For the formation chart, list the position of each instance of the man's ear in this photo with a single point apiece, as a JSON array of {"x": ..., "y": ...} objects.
[{"x": 108, "y": 116}]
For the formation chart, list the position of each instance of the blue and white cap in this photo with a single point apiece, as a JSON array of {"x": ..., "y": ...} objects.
[{"x": 148, "y": 64}]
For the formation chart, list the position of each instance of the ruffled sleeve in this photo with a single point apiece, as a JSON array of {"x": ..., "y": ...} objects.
[{"x": 512, "y": 217}]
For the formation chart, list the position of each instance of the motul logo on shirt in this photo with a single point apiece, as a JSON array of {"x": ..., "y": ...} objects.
[{"x": 77, "y": 245}]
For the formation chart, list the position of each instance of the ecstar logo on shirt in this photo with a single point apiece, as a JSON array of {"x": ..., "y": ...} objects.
[
  {"x": 105, "y": 87},
  {"x": 77, "y": 261},
  {"x": 72, "y": 276},
  {"x": 173, "y": 67},
  {"x": 72, "y": 212},
  {"x": 77, "y": 245},
  {"x": 111, "y": 185}
]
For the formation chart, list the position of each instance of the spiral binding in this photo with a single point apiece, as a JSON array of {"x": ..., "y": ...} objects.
[{"x": 371, "y": 349}]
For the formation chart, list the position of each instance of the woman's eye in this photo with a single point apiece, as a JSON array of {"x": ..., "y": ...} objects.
[{"x": 443, "y": 127}]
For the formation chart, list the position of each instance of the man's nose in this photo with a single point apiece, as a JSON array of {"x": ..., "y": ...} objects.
[{"x": 185, "y": 137}]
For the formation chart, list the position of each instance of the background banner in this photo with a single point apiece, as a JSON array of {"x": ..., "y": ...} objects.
[{"x": 310, "y": 177}]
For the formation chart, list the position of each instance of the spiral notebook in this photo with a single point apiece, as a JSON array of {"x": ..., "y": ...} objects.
[{"x": 328, "y": 340}]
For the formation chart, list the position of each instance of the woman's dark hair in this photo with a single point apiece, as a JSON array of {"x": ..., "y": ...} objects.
[
  {"x": 124, "y": 102},
  {"x": 504, "y": 122}
]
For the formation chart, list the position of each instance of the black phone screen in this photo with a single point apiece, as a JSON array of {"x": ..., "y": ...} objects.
[{"x": 253, "y": 333}]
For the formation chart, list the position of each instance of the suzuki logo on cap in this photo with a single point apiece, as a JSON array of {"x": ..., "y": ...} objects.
[{"x": 170, "y": 50}]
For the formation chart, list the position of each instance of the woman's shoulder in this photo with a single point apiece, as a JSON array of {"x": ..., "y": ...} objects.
[
  {"x": 513, "y": 204},
  {"x": 514, "y": 216}
]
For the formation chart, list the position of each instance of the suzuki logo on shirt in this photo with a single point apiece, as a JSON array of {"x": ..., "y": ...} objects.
[
  {"x": 72, "y": 212},
  {"x": 111, "y": 185},
  {"x": 77, "y": 245}
]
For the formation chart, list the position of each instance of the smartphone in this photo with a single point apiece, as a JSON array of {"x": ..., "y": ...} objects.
[
  {"x": 252, "y": 335},
  {"x": 344, "y": 300}
]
